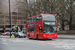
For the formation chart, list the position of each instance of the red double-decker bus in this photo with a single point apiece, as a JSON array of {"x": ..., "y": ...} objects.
[{"x": 43, "y": 26}]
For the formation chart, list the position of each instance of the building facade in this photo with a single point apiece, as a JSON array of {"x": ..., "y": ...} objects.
[{"x": 16, "y": 18}]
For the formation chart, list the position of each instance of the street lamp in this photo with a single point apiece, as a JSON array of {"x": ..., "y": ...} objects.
[{"x": 10, "y": 18}]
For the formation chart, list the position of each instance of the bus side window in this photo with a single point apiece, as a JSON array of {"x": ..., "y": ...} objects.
[
  {"x": 30, "y": 20},
  {"x": 30, "y": 29},
  {"x": 34, "y": 19},
  {"x": 27, "y": 20},
  {"x": 38, "y": 18}
]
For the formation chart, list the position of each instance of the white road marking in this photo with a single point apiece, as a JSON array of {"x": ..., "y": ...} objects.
[
  {"x": 59, "y": 43},
  {"x": 3, "y": 40},
  {"x": 66, "y": 44},
  {"x": 5, "y": 43}
]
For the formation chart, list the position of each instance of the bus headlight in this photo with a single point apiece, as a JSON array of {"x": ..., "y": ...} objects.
[
  {"x": 55, "y": 35},
  {"x": 44, "y": 35}
]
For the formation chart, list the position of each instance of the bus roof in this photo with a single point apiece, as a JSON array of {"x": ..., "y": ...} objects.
[{"x": 40, "y": 14}]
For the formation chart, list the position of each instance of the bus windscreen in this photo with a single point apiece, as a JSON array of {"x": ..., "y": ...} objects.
[{"x": 49, "y": 24}]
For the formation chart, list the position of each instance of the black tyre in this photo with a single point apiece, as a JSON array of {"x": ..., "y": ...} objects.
[
  {"x": 37, "y": 37},
  {"x": 24, "y": 36},
  {"x": 18, "y": 36},
  {"x": 29, "y": 36}
]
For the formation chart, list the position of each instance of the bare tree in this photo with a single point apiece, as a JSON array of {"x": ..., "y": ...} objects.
[
  {"x": 63, "y": 8},
  {"x": 69, "y": 7}
]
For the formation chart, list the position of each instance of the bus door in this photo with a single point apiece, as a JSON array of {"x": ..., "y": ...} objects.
[
  {"x": 37, "y": 30},
  {"x": 40, "y": 32}
]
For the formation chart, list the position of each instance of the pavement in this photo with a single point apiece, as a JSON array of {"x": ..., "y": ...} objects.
[{"x": 66, "y": 36}]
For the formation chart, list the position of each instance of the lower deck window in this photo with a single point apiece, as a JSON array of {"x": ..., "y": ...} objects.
[{"x": 31, "y": 30}]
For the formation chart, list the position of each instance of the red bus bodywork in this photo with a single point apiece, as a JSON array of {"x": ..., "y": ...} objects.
[{"x": 39, "y": 24}]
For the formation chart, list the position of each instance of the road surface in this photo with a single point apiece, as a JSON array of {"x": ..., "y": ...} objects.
[{"x": 7, "y": 43}]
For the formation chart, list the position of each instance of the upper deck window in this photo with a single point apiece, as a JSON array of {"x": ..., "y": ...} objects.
[
  {"x": 34, "y": 19},
  {"x": 28, "y": 20},
  {"x": 38, "y": 18}
]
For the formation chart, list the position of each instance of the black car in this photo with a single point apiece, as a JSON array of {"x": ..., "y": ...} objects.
[{"x": 19, "y": 34}]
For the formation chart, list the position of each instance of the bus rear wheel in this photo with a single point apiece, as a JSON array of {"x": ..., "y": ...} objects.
[
  {"x": 29, "y": 36},
  {"x": 37, "y": 37}
]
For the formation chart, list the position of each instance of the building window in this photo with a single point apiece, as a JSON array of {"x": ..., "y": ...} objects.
[
  {"x": 24, "y": 22},
  {"x": 20, "y": 22},
  {"x": 1, "y": 17},
  {"x": 20, "y": 18},
  {"x": 1, "y": 21},
  {"x": 6, "y": 21},
  {"x": 6, "y": 17},
  {"x": 14, "y": 17},
  {"x": 14, "y": 22}
]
